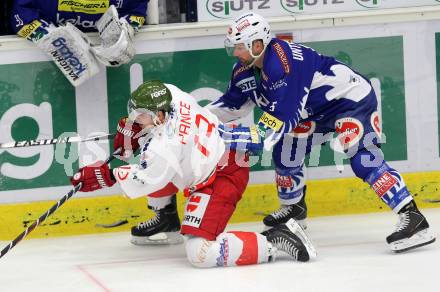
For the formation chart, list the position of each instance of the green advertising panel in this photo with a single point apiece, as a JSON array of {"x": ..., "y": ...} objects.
[
  {"x": 380, "y": 58},
  {"x": 35, "y": 98}
]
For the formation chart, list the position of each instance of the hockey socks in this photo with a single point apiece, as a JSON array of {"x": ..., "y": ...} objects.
[
  {"x": 238, "y": 248},
  {"x": 389, "y": 186},
  {"x": 234, "y": 248}
]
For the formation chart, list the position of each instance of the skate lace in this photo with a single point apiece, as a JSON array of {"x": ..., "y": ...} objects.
[
  {"x": 149, "y": 222},
  {"x": 282, "y": 212},
  {"x": 403, "y": 221},
  {"x": 286, "y": 246}
]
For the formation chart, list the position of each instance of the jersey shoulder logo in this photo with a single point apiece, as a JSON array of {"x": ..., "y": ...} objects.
[{"x": 282, "y": 56}]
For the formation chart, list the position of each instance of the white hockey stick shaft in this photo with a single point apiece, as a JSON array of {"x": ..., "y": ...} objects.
[{"x": 64, "y": 140}]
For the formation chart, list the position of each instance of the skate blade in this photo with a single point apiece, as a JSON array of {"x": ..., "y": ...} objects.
[
  {"x": 296, "y": 228},
  {"x": 302, "y": 223},
  {"x": 162, "y": 238},
  {"x": 421, "y": 238}
]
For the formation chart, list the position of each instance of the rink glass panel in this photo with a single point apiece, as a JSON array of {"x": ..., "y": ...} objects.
[{"x": 380, "y": 58}]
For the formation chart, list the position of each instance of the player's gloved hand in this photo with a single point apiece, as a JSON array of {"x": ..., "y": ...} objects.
[
  {"x": 127, "y": 138},
  {"x": 93, "y": 177},
  {"x": 243, "y": 139}
]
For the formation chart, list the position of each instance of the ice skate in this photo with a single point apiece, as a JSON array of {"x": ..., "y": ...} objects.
[
  {"x": 412, "y": 230},
  {"x": 163, "y": 228},
  {"x": 285, "y": 212},
  {"x": 291, "y": 239}
]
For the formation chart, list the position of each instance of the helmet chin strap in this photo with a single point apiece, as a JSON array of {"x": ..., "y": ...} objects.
[
  {"x": 256, "y": 57},
  {"x": 156, "y": 120},
  {"x": 148, "y": 130}
]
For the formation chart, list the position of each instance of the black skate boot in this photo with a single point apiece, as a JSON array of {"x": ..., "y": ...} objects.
[
  {"x": 291, "y": 239},
  {"x": 412, "y": 230},
  {"x": 161, "y": 229},
  {"x": 296, "y": 211}
]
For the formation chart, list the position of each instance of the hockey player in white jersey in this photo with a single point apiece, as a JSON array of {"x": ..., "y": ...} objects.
[{"x": 182, "y": 150}]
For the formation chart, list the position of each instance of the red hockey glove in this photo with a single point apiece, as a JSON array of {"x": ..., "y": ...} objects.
[
  {"x": 93, "y": 177},
  {"x": 126, "y": 137}
]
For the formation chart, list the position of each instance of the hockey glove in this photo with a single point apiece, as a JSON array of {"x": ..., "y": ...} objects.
[
  {"x": 127, "y": 138},
  {"x": 116, "y": 34},
  {"x": 242, "y": 139},
  {"x": 93, "y": 177}
]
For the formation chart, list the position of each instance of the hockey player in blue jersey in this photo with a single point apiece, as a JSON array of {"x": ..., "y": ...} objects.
[
  {"x": 57, "y": 28},
  {"x": 308, "y": 98}
]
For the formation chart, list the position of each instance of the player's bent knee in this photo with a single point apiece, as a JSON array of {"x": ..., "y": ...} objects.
[{"x": 200, "y": 252}]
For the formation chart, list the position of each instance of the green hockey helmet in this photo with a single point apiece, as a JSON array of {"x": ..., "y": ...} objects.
[{"x": 151, "y": 97}]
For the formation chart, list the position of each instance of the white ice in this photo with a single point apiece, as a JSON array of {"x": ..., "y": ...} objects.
[{"x": 352, "y": 256}]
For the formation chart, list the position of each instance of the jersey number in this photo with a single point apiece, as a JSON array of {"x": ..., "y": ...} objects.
[{"x": 211, "y": 126}]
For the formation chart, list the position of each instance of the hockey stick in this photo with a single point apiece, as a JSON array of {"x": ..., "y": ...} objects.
[
  {"x": 48, "y": 213},
  {"x": 431, "y": 200},
  {"x": 74, "y": 139},
  {"x": 114, "y": 224},
  {"x": 260, "y": 213}
]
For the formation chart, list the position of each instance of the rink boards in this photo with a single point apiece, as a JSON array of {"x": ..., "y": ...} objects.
[{"x": 325, "y": 198}]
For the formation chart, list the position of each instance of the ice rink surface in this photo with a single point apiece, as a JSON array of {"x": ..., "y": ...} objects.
[{"x": 352, "y": 256}]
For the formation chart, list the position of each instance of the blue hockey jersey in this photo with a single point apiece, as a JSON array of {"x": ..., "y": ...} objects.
[
  {"x": 30, "y": 15},
  {"x": 296, "y": 83}
]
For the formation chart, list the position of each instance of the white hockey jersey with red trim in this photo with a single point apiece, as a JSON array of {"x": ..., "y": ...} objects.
[{"x": 184, "y": 151}]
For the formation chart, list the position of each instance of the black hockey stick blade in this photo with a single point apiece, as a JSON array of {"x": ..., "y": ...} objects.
[
  {"x": 114, "y": 224},
  {"x": 431, "y": 200}
]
